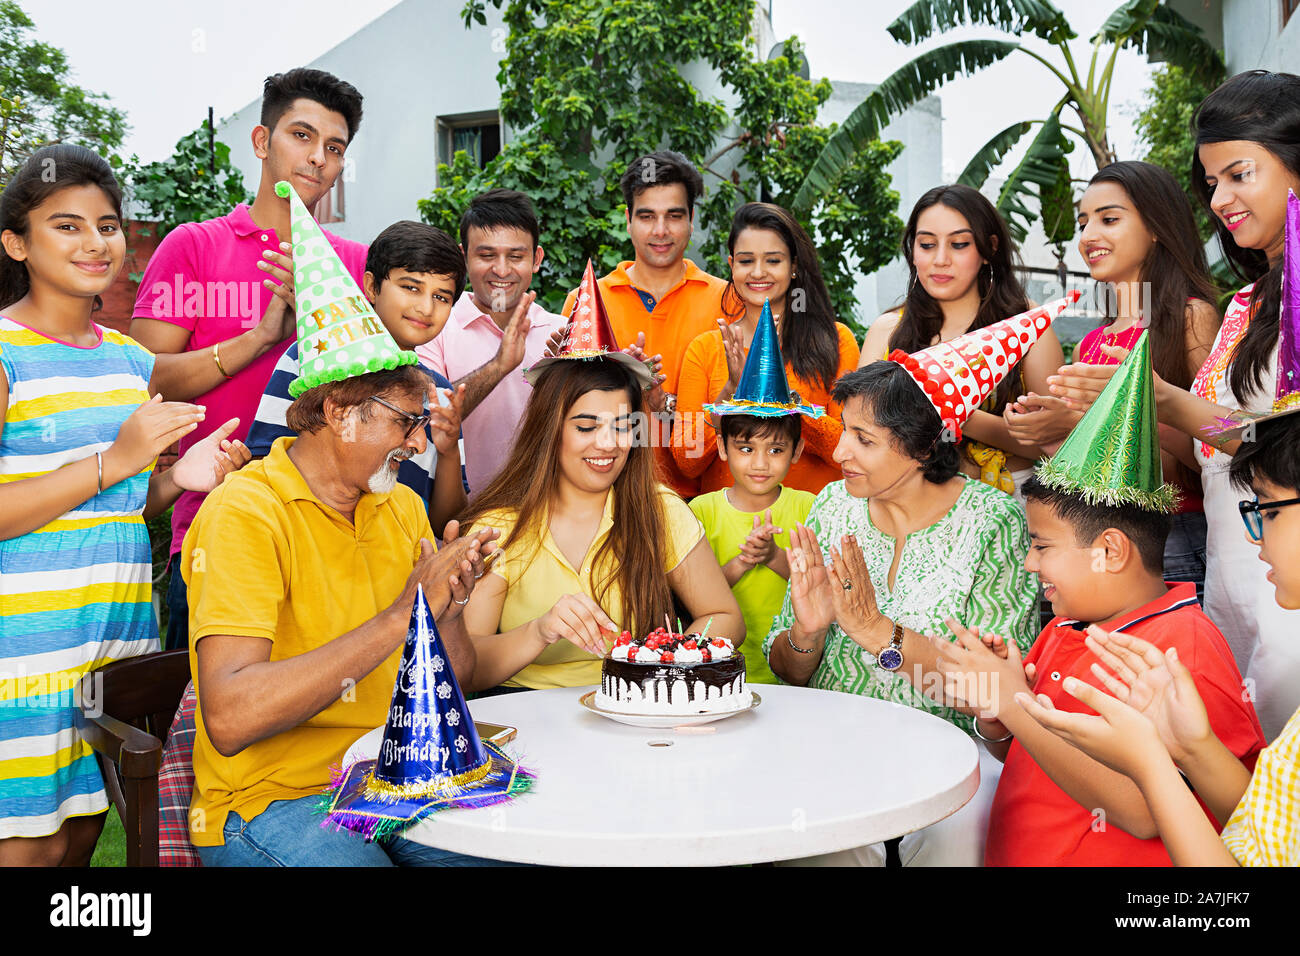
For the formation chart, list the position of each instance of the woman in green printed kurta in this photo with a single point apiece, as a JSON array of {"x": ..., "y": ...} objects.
[{"x": 934, "y": 544}]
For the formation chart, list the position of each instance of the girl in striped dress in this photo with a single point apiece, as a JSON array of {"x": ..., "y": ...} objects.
[{"x": 79, "y": 434}]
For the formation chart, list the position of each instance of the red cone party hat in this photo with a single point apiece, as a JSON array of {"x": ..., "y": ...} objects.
[
  {"x": 959, "y": 374},
  {"x": 590, "y": 336}
]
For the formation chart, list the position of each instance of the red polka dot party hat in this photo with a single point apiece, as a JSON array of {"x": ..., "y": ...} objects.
[{"x": 959, "y": 374}]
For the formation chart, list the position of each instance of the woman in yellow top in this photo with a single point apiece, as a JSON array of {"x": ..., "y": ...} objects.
[
  {"x": 773, "y": 260},
  {"x": 959, "y": 253},
  {"x": 592, "y": 543}
]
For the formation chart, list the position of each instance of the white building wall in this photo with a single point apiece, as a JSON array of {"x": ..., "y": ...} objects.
[
  {"x": 918, "y": 168},
  {"x": 415, "y": 63},
  {"x": 1254, "y": 38}
]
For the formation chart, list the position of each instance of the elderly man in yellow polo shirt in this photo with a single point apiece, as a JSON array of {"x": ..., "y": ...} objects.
[{"x": 302, "y": 572}]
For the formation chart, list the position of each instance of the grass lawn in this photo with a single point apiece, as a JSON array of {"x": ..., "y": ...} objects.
[{"x": 111, "y": 849}]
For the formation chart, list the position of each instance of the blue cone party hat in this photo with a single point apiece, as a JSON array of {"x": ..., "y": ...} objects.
[
  {"x": 763, "y": 389},
  {"x": 431, "y": 756}
]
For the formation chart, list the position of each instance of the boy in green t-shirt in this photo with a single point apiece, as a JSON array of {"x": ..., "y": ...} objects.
[{"x": 747, "y": 525}]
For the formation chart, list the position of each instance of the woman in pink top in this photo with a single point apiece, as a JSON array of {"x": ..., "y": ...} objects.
[
  {"x": 1137, "y": 234},
  {"x": 1247, "y": 158}
]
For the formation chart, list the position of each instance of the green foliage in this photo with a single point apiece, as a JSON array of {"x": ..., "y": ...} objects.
[
  {"x": 39, "y": 104},
  {"x": 1164, "y": 127},
  {"x": 186, "y": 186},
  {"x": 1042, "y": 180},
  {"x": 595, "y": 83}
]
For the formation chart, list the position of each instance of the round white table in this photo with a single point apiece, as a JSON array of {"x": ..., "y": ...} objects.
[{"x": 806, "y": 772}]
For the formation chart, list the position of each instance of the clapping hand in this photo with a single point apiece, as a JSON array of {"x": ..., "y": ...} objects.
[
  {"x": 208, "y": 461},
  {"x": 810, "y": 584},
  {"x": 1080, "y": 384},
  {"x": 1119, "y": 736},
  {"x": 734, "y": 348},
  {"x": 853, "y": 596},
  {"x": 147, "y": 432},
  {"x": 759, "y": 546},
  {"x": 448, "y": 574},
  {"x": 280, "y": 318},
  {"x": 1042, "y": 420},
  {"x": 655, "y": 395},
  {"x": 981, "y": 674},
  {"x": 515, "y": 335},
  {"x": 555, "y": 341},
  {"x": 1156, "y": 685},
  {"x": 444, "y": 420}
]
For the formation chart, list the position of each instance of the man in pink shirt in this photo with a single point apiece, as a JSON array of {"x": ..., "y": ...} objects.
[
  {"x": 495, "y": 330},
  {"x": 203, "y": 304}
]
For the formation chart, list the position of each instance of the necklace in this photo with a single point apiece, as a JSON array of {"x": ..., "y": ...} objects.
[{"x": 1124, "y": 340}]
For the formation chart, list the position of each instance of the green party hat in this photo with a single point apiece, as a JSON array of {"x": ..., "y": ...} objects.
[
  {"x": 339, "y": 334},
  {"x": 1112, "y": 457}
]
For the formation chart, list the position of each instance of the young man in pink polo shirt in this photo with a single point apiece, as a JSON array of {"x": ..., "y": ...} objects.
[
  {"x": 496, "y": 330},
  {"x": 203, "y": 304}
]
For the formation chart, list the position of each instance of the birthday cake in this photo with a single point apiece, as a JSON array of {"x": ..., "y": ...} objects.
[{"x": 665, "y": 673}]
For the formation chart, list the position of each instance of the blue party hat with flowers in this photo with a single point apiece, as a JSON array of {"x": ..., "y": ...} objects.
[
  {"x": 763, "y": 388},
  {"x": 431, "y": 756}
]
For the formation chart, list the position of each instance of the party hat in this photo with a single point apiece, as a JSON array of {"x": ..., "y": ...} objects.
[
  {"x": 959, "y": 374},
  {"x": 589, "y": 336},
  {"x": 1286, "y": 399},
  {"x": 431, "y": 756},
  {"x": 763, "y": 388},
  {"x": 1112, "y": 457},
  {"x": 339, "y": 335}
]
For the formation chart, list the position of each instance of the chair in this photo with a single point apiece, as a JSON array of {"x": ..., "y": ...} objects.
[{"x": 126, "y": 709}]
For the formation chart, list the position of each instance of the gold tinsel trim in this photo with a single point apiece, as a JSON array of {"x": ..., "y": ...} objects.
[
  {"x": 376, "y": 789},
  {"x": 1287, "y": 401}
]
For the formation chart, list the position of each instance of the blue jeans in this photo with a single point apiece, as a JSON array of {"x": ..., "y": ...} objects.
[
  {"x": 289, "y": 833},
  {"x": 178, "y": 609},
  {"x": 1185, "y": 551}
]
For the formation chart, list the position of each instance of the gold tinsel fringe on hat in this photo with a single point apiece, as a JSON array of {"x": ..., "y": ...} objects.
[{"x": 376, "y": 789}]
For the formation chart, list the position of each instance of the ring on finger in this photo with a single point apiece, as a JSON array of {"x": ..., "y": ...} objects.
[
  {"x": 462, "y": 603},
  {"x": 847, "y": 585}
]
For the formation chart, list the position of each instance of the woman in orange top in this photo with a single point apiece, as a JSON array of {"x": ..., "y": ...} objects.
[{"x": 772, "y": 259}]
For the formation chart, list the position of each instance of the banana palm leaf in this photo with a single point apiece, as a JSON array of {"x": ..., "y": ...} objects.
[
  {"x": 1041, "y": 168},
  {"x": 908, "y": 84},
  {"x": 926, "y": 17},
  {"x": 990, "y": 154},
  {"x": 1150, "y": 26}
]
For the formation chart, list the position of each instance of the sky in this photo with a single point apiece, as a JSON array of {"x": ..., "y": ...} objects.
[{"x": 164, "y": 63}]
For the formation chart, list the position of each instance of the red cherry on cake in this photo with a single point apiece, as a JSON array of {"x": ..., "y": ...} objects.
[
  {"x": 717, "y": 642},
  {"x": 624, "y": 638},
  {"x": 690, "y": 645},
  {"x": 707, "y": 656},
  {"x": 666, "y": 657}
]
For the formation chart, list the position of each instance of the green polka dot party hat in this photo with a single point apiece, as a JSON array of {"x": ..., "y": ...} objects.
[
  {"x": 339, "y": 334},
  {"x": 1112, "y": 456}
]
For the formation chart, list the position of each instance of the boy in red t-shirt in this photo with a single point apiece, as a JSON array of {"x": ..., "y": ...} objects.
[{"x": 1098, "y": 563}]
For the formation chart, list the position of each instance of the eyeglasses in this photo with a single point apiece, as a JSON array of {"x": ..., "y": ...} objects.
[
  {"x": 414, "y": 422},
  {"x": 1250, "y": 514}
]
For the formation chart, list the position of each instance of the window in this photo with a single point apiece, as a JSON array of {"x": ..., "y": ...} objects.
[
  {"x": 478, "y": 134},
  {"x": 330, "y": 207},
  {"x": 1289, "y": 7}
]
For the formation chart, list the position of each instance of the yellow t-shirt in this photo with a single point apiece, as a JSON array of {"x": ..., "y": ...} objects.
[
  {"x": 266, "y": 558},
  {"x": 538, "y": 576},
  {"x": 1264, "y": 830},
  {"x": 760, "y": 591}
]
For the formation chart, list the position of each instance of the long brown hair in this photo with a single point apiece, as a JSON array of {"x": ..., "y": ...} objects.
[
  {"x": 1001, "y": 295},
  {"x": 635, "y": 551},
  {"x": 812, "y": 344},
  {"x": 1174, "y": 270},
  {"x": 1262, "y": 108}
]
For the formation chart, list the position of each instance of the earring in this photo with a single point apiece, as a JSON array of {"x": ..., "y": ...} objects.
[{"x": 990, "y": 290}]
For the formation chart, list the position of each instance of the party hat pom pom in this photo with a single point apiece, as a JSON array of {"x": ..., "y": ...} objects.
[{"x": 282, "y": 189}]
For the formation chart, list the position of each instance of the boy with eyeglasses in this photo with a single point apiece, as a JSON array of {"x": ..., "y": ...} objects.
[
  {"x": 1155, "y": 730},
  {"x": 413, "y": 273}
]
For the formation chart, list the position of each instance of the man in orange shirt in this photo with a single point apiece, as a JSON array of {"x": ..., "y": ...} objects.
[{"x": 661, "y": 294}]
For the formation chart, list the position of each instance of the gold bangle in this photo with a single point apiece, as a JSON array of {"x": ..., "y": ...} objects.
[{"x": 216, "y": 357}]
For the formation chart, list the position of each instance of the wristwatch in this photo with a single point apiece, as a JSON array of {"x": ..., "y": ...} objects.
[{"x": 890, "y": 657}]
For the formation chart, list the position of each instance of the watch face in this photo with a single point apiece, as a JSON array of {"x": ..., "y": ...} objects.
[{"x": 891, "y": 659}]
